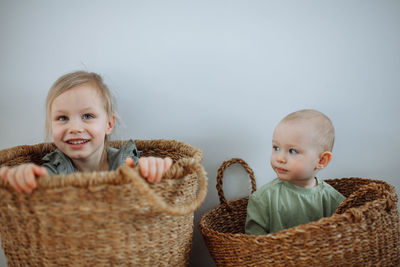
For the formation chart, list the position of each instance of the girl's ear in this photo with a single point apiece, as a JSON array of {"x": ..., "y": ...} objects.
[
  {"x": 110, "y": 125},
  {"x": 324, "y": 160}
]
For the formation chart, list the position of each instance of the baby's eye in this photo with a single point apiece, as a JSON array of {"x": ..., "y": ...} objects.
[
  {"x": 276, "y": 148},
  {"x": 292, "y": 151},
  {"x": 87, "y": 116},
  {"x": 62, "y": 118}
]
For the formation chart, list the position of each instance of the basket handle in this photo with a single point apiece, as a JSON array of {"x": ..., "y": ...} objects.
[
  {"x": 179, "y": 169},
  {"x": 220, "y": 175}
]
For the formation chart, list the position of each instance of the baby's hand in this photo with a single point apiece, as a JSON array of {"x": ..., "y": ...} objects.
[
  {"x": 151, "y": 168},
  {"x": 22, "y": 177}
]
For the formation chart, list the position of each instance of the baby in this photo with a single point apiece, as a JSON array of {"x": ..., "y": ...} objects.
[
  {"x": 80, "y": 116},
  {"x": 301, "y": 146}
]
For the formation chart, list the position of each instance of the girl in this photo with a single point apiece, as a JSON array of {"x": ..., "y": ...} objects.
[{"x": 80, "y": 116}]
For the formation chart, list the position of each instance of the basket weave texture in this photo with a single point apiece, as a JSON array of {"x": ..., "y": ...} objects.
[
  {"x": 364, "y": 231},
  {"x": 110, "y": 218}
]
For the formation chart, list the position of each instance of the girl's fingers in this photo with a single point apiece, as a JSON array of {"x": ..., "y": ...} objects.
[
  {"x": 3, "y": 172},
  {"x": 11, "y": 179},
  {"x": 160, "y": 170},
  {"x": 30, "y": 173},
  {"x": 39, "y": 170},
  {"x": 129, "y": 162},
  {"x": 20, "y": 175},
  {"x": 144, "y": 166},
  {"x": 167, "y": 164},
  {"x": 152, "y": 169}
]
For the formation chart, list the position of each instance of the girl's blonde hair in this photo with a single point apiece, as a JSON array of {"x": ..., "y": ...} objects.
[{"x": 70, "y": 80}]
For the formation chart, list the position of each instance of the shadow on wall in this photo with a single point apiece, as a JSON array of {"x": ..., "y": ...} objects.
[
  {"x": 3, "y": 262},
  {"x": 236, "y": 183}
]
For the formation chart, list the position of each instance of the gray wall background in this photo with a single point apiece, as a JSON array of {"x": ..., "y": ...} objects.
[{"x": 218, "y": 75}]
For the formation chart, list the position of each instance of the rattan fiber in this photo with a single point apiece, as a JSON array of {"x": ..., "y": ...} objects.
[
  {"x": 103, "y": 218},
  {"x": 364, "y": 231}
]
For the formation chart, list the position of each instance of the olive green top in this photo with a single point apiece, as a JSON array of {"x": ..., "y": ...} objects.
[
  {"x": 280, "y": 205},
  {"x": 57, "y": 162}
]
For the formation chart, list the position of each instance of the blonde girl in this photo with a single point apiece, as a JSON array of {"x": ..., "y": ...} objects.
[{"x": 80, "y": 116}]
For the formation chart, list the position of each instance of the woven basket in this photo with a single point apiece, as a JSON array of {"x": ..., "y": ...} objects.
[
  {"x": 364, "y": 231},
  {"x": 103, "y": 218}
]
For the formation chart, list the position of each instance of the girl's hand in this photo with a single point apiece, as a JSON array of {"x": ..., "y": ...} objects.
[
  {"x": 22, "y": 177},
  {"x": 151, "y": 168}
]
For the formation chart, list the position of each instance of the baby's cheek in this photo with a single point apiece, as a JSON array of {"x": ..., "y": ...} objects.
[
  {"x": 271, "y": 161},
  {"x": 298, "y": 167}
]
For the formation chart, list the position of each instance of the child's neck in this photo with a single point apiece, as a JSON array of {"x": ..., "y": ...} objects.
[
  {"x": 307, "y": 183},
  {"x": 92, "y": 165}
]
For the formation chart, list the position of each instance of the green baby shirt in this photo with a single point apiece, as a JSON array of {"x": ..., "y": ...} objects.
[
  {"x": 57, "y": 162},
  {"x": 280, "y": 205}
]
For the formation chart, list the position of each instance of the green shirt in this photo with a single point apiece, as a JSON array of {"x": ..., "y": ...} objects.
[
  {"x": 57, "y": 162},
  {"x": 280, "y": 205}
]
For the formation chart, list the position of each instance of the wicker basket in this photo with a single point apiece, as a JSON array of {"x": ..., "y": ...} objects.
[
  {"x": 103, "y": 218},
  {"x": 364, "y": 231}
]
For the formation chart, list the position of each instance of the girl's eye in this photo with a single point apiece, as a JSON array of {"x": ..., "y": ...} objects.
[
  {"x": 87, "y": 116},
  {"x": 62, "y": 118},
  {"x": 275, "y": 148},
  {"x": 293, "y": 151}
]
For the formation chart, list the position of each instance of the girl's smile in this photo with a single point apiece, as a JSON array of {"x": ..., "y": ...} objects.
[{"x": 77, "y": 143}]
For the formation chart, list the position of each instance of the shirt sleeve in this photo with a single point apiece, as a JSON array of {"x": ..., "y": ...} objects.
[
  {"x": 334, "y": 198},
  {"x": 337, "y": 200},
  {"x": 116, "y": 157},
  {"x": 132, "y": 151},
  {"x": 257, "y": 221},
  {"x": 57, "y": 162}
]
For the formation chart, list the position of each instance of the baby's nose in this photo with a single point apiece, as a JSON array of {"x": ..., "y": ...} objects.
[{"x": 281, "y": 158}]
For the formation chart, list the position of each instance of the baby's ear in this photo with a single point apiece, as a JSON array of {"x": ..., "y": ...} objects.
[{"x": 324, "y": 159}]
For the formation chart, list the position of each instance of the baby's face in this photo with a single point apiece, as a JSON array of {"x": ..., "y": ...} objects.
[
  {"x": 79, "y": 123},
  {"x": 295, "y": 155}
]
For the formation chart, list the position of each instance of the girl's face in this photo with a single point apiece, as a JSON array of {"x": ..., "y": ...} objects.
[
  {"x": 295, "y": 154},
  {"x": 80, "y": 123}
]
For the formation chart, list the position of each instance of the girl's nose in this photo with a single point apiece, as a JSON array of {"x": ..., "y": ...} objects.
[{"x": 75, "y": 127}]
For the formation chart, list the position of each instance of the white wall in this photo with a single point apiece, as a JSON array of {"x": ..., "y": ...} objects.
[{"x": 216, "y": 74}]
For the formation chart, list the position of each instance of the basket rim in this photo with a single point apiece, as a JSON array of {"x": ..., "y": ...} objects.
[
  {"x": 349, "y": 216},
  {"x": 85, "y": 179},
  {"x": 9, "y": 153}
]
